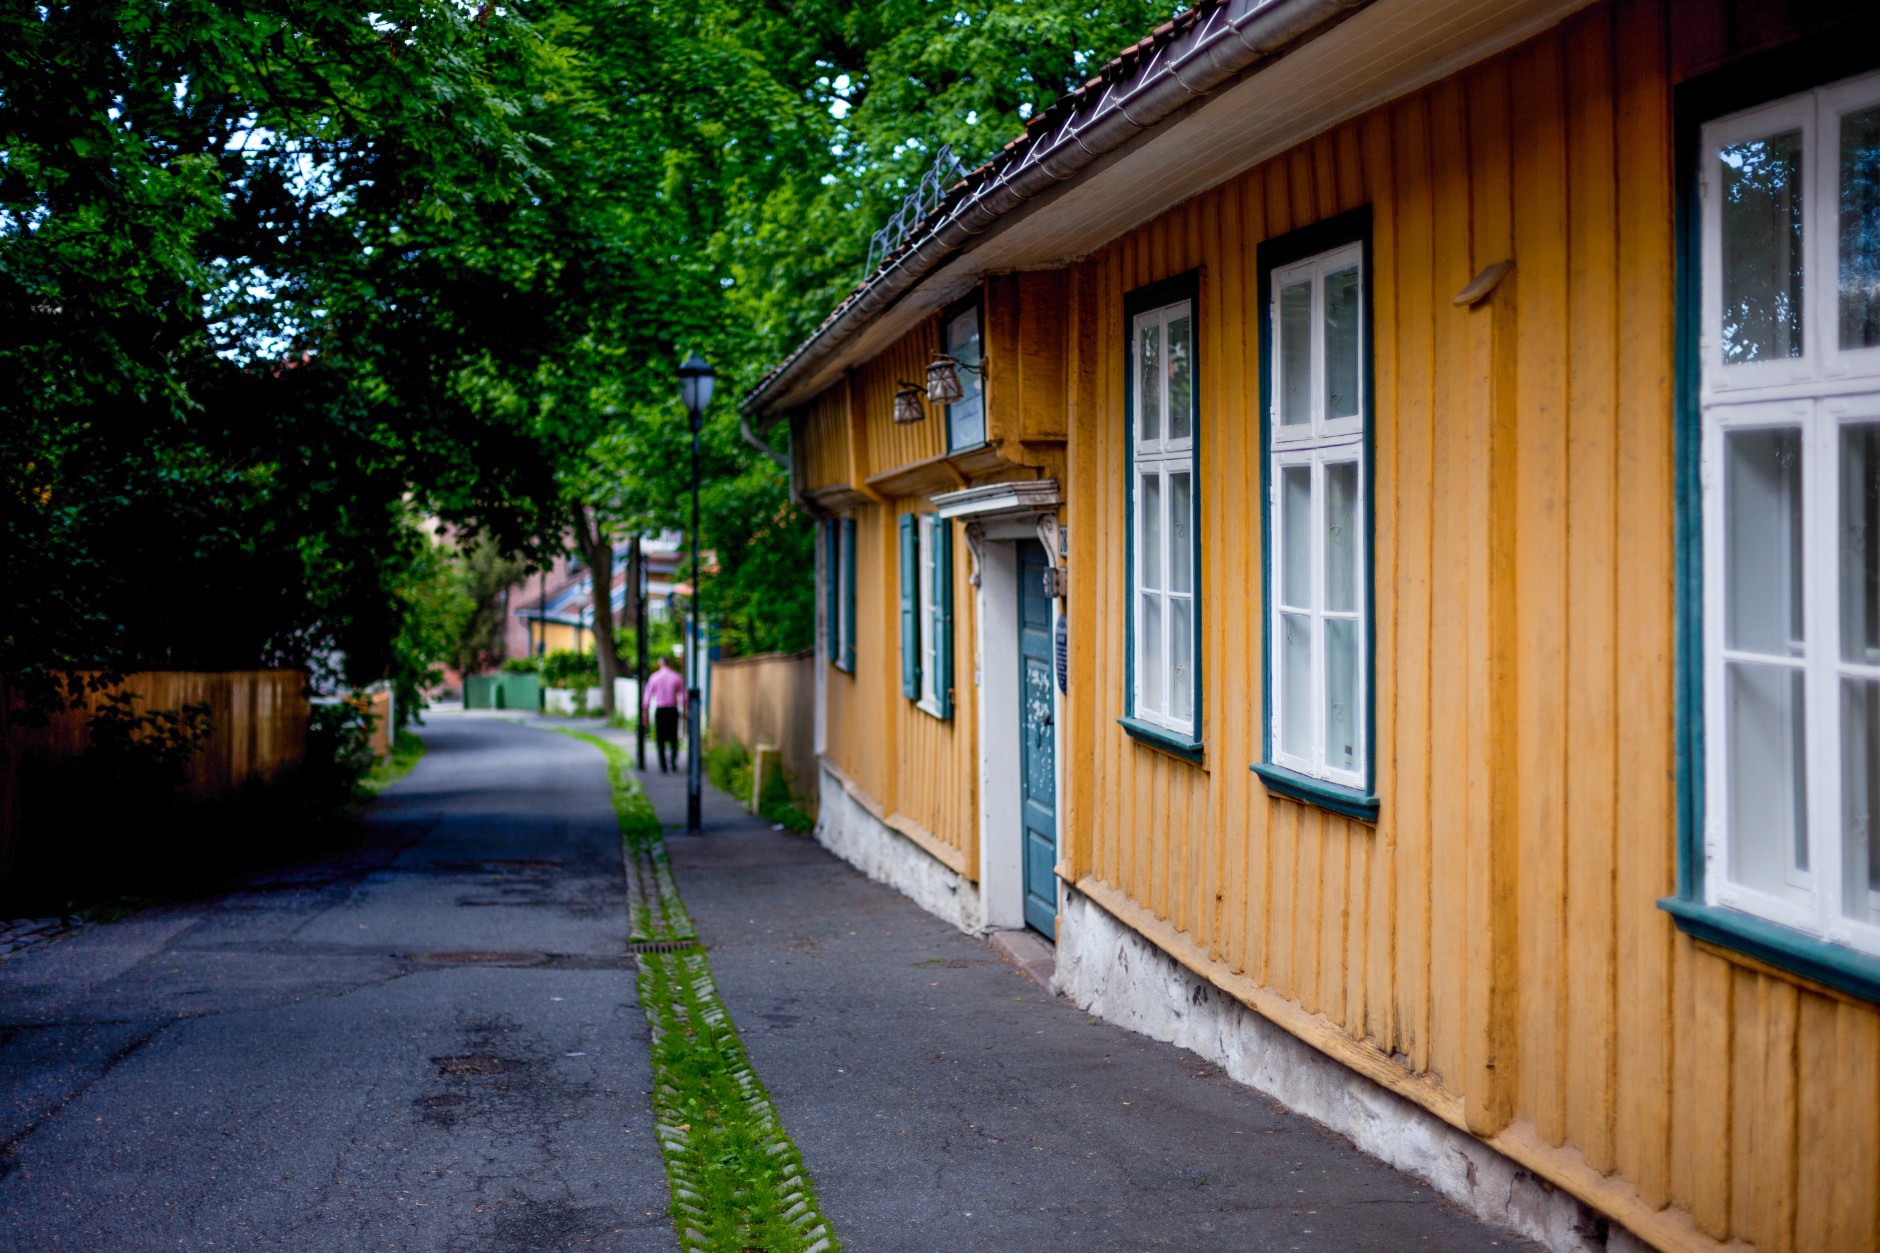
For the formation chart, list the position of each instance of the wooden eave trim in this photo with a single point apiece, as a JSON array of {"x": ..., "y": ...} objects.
[
  {"x": 836, "y": 498},
  {"x": 949, "y": 472},
  {"x": 937, "y": 473},
  {"x": 986, "y": 458},
  {"x": 1289, "y": 99}
]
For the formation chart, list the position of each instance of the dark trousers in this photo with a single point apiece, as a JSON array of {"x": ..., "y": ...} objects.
[{"x": 666, "y": 735}]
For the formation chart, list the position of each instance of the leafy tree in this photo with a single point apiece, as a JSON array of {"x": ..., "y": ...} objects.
[
  {"x": 281, "y": 278},
  {"x": 480, "y": 595},
  {"x": 878, "y": 89},
  {"x": 229, "y": 365}
]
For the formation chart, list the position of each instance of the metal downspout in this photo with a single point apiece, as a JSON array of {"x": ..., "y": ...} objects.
[{"x": 757, "y": 441}]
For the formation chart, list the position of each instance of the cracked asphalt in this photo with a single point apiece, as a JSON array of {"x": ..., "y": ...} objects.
[
  {"x": 320, "y": 1061},
  {"x": 942, "y": 1100}
]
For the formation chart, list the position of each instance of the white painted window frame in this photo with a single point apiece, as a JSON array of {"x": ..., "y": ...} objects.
[
  {"x": 1322, "y": 442},
  {"x": 928, "y": 646},
  {"x": 1814, "y": 393},
  {"x": 972, "y": 382},
  {"x": 1161, "y": 458}
]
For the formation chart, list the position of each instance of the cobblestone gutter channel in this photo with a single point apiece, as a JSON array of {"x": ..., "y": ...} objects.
[{"x": 738, "y": 1182}]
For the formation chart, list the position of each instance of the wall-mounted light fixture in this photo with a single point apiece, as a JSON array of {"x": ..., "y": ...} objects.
[
  {"x": 907, "y": 406},
  {"x": 943, "y": 377}
]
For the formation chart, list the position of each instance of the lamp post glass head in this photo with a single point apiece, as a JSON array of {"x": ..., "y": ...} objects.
[{"x": 695, "y": 384}]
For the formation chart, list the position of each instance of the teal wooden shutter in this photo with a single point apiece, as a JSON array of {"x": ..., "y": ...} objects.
[
  {"x": 943, "y": 616},
  {"x": 832, "y": 591},
  {"x": 910, "y": 607},
  {"x": 848, "y": 598}
]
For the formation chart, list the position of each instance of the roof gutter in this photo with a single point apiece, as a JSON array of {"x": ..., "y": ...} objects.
[{"x": 1236, "y": 35}]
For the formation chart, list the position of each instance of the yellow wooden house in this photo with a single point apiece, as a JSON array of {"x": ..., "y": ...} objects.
[{"x": 1362, "y": 526}]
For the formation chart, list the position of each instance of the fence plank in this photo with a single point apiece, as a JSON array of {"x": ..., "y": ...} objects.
[
  {"x": 257, "y": 721},
  {"x": 771, "y": 699}
]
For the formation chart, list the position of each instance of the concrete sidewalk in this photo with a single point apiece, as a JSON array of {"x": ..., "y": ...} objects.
[{"x": 943, "y": 1100}]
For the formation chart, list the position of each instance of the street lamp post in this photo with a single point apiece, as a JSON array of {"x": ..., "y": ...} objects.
[
  {"x": 637, "y": 565},
  {"x": 695, "y": 387}
]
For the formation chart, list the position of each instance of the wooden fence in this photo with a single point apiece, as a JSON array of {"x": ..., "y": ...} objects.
[
  {"x": 257, "y": 728},
  {"x": 770, "y": 699}
]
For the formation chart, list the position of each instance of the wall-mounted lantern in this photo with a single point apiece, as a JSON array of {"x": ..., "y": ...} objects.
[
  {"x": 907, "y": 406},
  {"x": 943, "y": 377}
]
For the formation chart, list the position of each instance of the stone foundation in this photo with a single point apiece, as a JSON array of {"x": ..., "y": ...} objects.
[
  {"x": 1112, "y": 972},
  {"x": 846, "y": 828}
]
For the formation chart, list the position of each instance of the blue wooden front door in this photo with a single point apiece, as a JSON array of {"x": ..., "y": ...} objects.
[{"x": 1039, "y": 737}]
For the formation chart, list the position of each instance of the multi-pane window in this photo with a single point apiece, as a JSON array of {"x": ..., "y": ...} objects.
[
  {"x": 927, "y": 613},
  {"x": 1790, "y": 474},
  {"x": 1320, "y": 588},
  {"x": 839, "y": 577},
  {"x": 1162, "y": 472},
  {"x": 966, "y": 417}
]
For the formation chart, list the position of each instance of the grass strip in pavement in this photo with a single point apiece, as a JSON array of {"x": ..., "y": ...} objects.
[
  {"x": 738, "y": 1182},
  {"x": 406, "y": 749}
]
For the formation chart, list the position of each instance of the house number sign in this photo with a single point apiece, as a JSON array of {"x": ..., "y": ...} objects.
[{"x": 1061, "y": 646}]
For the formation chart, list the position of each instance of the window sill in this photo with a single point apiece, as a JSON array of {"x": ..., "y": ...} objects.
[
  {"x": 932, "y": 711},
  {"x": 1348, "y": 801},
  {"x": 1185, "y": 747},
  {"x": 1772, "y": 944},
  {"x": 836, "y": 665}
]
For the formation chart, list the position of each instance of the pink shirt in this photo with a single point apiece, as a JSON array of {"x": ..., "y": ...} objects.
[{"x": 664, "y": 690}]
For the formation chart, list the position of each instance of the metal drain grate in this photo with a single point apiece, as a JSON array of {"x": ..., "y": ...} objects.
[
  {"x": 662, "y": 946},
  {"x": 481, "y": 957}
]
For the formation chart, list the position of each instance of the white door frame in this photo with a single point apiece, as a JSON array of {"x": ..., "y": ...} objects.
[
  {"x": 997, "y": 516},
  {"x": 1001, "y": 829}
]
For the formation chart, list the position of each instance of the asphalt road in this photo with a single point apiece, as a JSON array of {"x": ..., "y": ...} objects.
[
  {"x": 325, "y": 1060},
  {"x": 321, "y": 1061}
]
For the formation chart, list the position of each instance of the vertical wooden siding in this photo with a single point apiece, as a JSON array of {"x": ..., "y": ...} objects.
[
  {"x": 257, "y": 729},
  {"x": 856, "y": 735},
  {"x": 1747, "y": 1104},
  {"x": 914, "y": 768},
  {"x": 820, "y": 441},
  {"x": 937, "y": 761},
  {"x": 890, "y": 446},
  {"x": 918, "y": 771}
]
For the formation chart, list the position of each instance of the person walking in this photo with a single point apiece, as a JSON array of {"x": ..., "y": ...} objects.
[{"x": 664, "y": 693}]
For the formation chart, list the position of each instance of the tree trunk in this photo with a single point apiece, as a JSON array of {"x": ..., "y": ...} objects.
[{"x": 597, "y": 548}]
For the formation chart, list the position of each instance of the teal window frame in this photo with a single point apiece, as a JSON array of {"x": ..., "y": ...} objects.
[
  {"x": 1186, "y": 286},
  {"x": 968, "y": 378},
  {"x": 1729, "y": 90},
  {"x": 927, "y": 628},
  {"x": 1343, "y": 230},
  {"x": 839, "y": 594}
]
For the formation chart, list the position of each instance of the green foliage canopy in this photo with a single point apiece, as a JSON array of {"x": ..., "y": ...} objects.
[{"x": 281, "y": 279}]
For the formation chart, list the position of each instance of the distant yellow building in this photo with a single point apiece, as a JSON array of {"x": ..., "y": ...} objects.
[{"x": 1360, "y": 526}]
